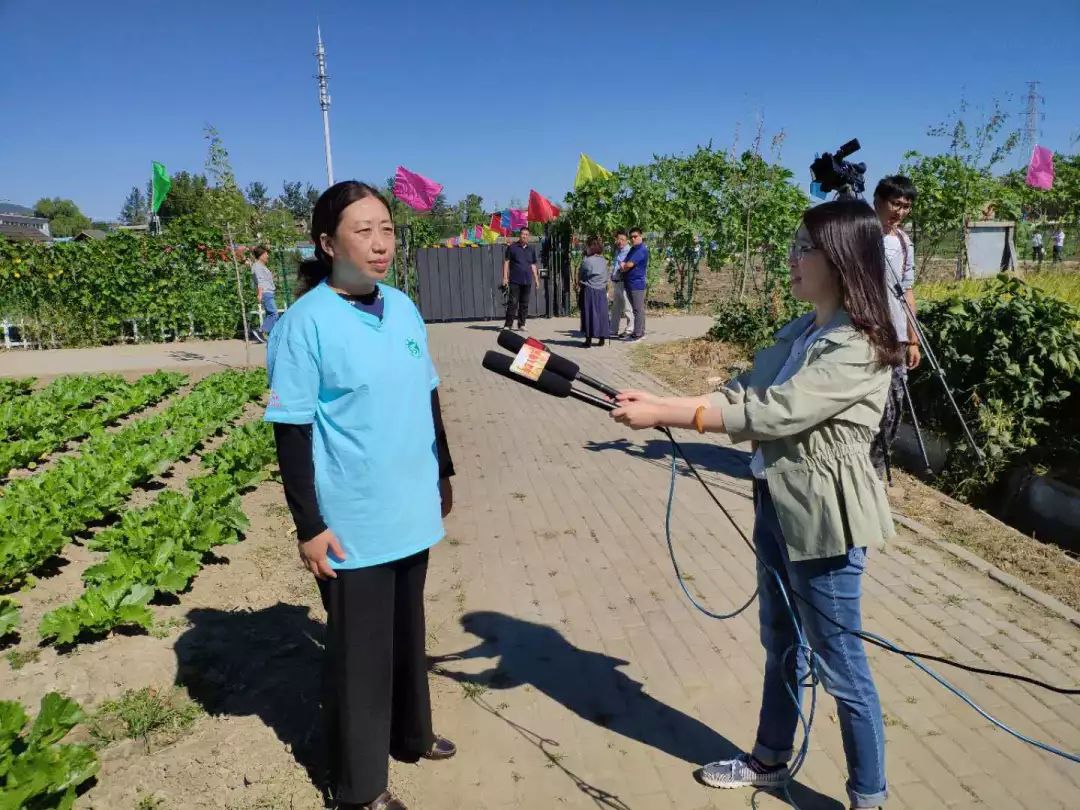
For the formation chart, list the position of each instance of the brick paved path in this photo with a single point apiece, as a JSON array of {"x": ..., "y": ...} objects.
[{"x": 592, "y": 683}]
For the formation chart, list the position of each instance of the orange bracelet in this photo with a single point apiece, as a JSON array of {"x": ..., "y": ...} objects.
[{"x": 697, "y": 418}]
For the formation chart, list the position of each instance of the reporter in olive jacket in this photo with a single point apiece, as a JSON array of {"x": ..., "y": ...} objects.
[{"x": 811, "y": 405}]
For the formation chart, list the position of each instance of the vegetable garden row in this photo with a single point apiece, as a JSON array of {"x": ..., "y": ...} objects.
[{"x": 150, "y": 551}]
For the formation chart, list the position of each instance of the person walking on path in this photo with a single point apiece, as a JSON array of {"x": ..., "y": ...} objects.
[
  {"x": 366, "y": 470},
  {"x": 593, "y": 282},
  {"x": 264, "y": 285},
  {"x": 1037, "y": 247},
  {"x": 634, "y": 273},
  {"x": 519, "y": 275},
  {"x": 1059, "y": 245},
  {"x": 620, "y": 301},
  {"x": 811, "y": 404}
]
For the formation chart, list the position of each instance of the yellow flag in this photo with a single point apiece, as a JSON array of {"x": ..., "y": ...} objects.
[
  {"x": 588, "y": 169},
  {"x": 490, "y": 236}
]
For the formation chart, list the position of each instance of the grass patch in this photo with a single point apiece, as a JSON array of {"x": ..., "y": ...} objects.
[
  {"x": 1041, "y": 565},
  {"x": 17, "y": 659},
  {"x": 692, "y": 366},
  {"x": 146, "y": 714}
]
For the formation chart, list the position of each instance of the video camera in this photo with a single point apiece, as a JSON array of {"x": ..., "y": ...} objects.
[{"x": 834, "y": 173}]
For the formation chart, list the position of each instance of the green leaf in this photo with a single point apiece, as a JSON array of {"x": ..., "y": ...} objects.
[{"x": 56, "y": 717}]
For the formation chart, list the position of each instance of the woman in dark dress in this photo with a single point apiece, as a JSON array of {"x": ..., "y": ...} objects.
[{"x": 593, "y": 279}]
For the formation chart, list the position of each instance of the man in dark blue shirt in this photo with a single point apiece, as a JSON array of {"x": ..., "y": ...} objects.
[
  {"x": 634, "y": 271},
  {"x": 519, "y": 274}
]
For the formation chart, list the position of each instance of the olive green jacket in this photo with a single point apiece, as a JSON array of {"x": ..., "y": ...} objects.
[{"x": 814, "y": 432}]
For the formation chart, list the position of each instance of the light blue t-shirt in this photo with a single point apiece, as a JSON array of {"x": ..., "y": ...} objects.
[{"x": 365, "y": 387}]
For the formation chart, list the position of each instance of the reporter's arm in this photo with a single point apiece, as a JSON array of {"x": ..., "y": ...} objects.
[{"x": 839, "y": 377}]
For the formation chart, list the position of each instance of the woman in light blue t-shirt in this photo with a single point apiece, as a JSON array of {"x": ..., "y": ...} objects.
[{"x": 366, "y": 470}]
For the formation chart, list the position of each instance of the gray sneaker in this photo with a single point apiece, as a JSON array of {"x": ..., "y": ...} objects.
[{"x": 737, "y": 773}]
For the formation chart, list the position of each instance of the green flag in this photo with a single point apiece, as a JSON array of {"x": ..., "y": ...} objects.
[{"x": 162, "y": 184}]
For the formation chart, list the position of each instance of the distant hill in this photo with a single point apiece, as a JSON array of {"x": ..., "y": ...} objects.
[{"x": 12, "y": 208}]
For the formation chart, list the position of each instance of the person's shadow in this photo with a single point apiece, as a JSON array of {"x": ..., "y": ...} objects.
[
  {"x": 266, "y": 663},
  {"x": 590, "y": 684},
  {"x": 705, "y": 456}
]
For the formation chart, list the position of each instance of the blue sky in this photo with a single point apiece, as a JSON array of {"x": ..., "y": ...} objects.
[{"x": 500, "y": 98}]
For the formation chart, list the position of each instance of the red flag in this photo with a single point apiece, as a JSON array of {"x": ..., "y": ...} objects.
[
  {"x": 496, "y": 224},
  {"x": 541, "y": 209}
]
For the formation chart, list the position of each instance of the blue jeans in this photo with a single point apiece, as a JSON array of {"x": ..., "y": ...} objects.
[
  {"x": 833, "y": 585},
  {"x": 271, "y": 316}
]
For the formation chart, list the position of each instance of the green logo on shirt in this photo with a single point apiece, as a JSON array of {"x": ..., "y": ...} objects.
[{"x": 414, "y": 347}]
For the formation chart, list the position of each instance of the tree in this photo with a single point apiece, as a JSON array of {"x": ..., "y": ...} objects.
[
  {"x": 65, "y": 218},
  {"x": 470, "y": 209},
  {"x": 135, "y": 210},
  {"x": 186, "y": 197},
  {"x": 295, "y": 201},
  {"x": 226, "y": 205},
  {"x": 312, "y": 195},
  {"x": 257, "y": 195},
  {"x": 959, "y": 186}
]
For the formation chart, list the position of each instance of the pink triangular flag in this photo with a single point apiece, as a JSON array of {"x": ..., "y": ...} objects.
[
  {"x": 1041, "y": 169},
  {"x": 518, "y": 219},
  {"x": 415, "y": 190}
]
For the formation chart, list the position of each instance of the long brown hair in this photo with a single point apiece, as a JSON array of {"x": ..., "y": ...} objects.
[
  {"x": 848, "y": 232},
  {"x": 324, "y": 219}
]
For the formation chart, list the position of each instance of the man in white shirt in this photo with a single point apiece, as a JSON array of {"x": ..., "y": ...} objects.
[
  {"x": 1059, "y": 244},
  {"x": 893, "y": 199},
  {"x": 1037, "y": 247}
]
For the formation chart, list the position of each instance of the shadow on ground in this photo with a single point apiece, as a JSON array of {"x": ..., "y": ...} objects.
[
  {"x": 589, "y": 684},
  {"x": 266, "y": 663},
  {"x": 707, "y": 457}
]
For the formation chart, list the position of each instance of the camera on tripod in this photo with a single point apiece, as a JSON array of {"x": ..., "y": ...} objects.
[{"x": 835, "y": 173}]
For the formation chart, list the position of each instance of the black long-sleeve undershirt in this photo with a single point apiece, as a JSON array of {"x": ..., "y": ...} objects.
[{"x": 297, "y": 464}]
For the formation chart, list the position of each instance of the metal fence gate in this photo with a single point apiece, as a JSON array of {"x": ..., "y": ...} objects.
[{"x": 466, "y": 283}]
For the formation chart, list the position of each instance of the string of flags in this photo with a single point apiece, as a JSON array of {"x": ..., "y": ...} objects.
[{"x": 420, "y": 193}]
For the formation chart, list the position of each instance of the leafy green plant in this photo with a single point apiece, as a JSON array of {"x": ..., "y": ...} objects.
[
  {"x": 9, "y": 616},
  {"x": 1012, "y": 354},
  {"x": 98, "y": 611},
  {"x": 160, "y": 549},
  {"x": 38, "y": 514},
  {"x": 55, "y": 427},
  {"x": 11, "y": 387},
  {"x": 752, "y": 324},
  {"x": 36, "y": 771},
  {"x": 47, "y": 409}
]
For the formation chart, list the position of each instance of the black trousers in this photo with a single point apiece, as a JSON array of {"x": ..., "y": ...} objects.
[
  {"x": 881, "y": 447},
  {"x": 517, "y": 301},
  {"x": 375, "y": 681}
]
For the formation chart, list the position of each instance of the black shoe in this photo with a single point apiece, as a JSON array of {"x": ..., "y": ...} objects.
[
  {"x": 587, "y": 344},
  {"x": 601, "y": 342}
]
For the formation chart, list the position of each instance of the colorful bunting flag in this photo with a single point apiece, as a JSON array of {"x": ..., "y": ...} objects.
[
  {"x": 415, "y": 190},
  {"x": 541, "y": 209},
  {"x": 490, "y": 236},
  {"x": 588, "y": 169},
  {"x": 1041, "y": 168},
  {"x": 504, "y": 220}
]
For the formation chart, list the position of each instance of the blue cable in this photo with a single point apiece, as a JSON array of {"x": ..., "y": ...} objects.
[{"x": 801, "y": 646}]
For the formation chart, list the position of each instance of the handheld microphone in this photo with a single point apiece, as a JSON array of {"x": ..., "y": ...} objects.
[
  {"x": 512, "y": 342},
  {"x": 549, "y": 382}
]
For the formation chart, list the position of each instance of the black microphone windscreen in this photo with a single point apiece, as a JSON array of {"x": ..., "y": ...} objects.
[
  {"x": 512, "y": 342},
  {"x": 549, "y": 382}
]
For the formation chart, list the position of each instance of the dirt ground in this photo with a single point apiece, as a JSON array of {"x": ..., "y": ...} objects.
[{"x": 249, "y": 748}]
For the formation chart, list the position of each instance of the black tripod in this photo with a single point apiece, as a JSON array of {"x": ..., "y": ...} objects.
[{"x": 930, "y": 357}]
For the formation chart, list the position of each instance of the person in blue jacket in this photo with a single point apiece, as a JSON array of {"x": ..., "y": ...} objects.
[{"x": 366, "y": 469}]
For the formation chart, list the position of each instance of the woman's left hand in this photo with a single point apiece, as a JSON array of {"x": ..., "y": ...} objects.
[
  {"x": 446, "y": 492},
  {"x": 638, "y": 415}
]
